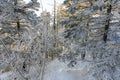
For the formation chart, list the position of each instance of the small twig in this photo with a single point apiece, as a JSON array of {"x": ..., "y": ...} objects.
[
  {"x": 8, "y": 51},
  {"x": 21, "y": 74}
]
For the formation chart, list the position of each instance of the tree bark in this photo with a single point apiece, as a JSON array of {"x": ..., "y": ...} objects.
[
  {"x": 107, "y": 25},
  {"x": 18, "y": 25}
]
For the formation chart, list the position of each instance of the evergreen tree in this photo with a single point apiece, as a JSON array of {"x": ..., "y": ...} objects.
[
  {"x": 19, "y": 26},
  {"x": 88, "y": 33}
]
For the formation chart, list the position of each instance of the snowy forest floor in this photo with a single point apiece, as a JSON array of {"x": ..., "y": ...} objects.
[{"x": 57, "y": 70}]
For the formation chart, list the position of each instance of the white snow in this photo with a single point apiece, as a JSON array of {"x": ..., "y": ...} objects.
[
  {"x": 6, "y": 76},
  {"x": 57, "y": 70}
]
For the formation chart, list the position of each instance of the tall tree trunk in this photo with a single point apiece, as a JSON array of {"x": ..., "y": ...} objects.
[
  {"x": 54, "y": 24},
  {"x": 107, "y": 25},
  {"x": 18, "y": 25},
  {"x": 18, "y": 22}
]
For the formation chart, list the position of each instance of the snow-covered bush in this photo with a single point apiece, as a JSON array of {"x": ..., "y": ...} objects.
[{"x": 92, "y": 33}]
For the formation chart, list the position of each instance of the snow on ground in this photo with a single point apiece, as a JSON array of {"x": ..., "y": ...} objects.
[
  {"x": 6, "y": 76},
  {"x": 33, "y": 74},
  {"x": 57, "y": 70}
]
